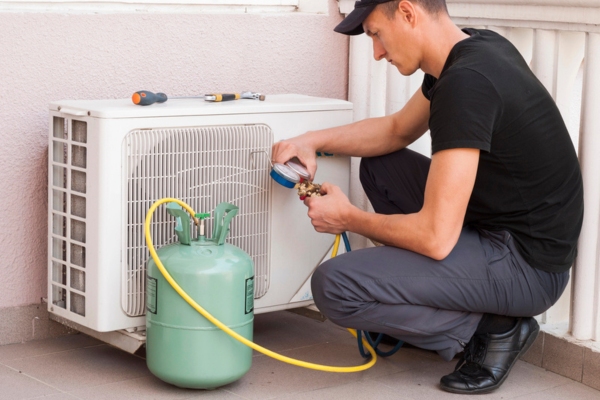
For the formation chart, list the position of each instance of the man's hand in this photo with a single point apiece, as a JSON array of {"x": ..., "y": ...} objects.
[
  {"x": 329, "y": 212},
  {"x": 299, "y": 147}
]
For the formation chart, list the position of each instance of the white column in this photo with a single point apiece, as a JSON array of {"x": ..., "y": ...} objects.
[
  {"x": 398, "y": 90},
  {"x": 569, "y": 55},
  {"x": 543, "y": 62},
  {"x": 359, "y": 75},
  {"x": 522, "y": 39},
  {"x": 423, "y": 144},
  {"x": 571, "y": 50},
  {"x": 367, "y": 90},
  {"x": 378, "y": 90},
  {"x": 585, "y": 322},
  {"x": 359, "y": 84}
]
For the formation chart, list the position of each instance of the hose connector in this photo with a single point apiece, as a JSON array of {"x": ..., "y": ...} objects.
[{"x": 201, "y": 217}]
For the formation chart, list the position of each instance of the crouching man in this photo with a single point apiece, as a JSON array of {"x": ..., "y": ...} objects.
[{"x": 479, "y": 238}]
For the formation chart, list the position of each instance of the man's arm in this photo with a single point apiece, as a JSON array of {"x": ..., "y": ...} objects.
[
  {"x": 433, "y": 231},
  {"x": 369, "y": 137}
]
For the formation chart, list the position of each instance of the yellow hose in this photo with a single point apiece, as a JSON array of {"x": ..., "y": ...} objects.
[
  {"x": 225, "y": 328},
  {"x": 336, "y": 245}
]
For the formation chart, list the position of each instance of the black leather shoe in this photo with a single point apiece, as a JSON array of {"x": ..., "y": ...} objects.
[{"x": 488, "y": 358}]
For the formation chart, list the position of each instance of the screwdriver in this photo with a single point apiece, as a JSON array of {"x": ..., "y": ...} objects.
[{"x": 145, "y": 97}]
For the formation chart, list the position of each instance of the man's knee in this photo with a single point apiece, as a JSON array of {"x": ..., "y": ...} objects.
[
  {"x": 321, "y": 284},
  {"x": 326, "y": 288}
]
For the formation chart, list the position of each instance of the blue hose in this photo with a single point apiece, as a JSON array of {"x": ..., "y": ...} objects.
[
  {"x": 346, "y": 242},
  {"x": 375, "y": 345}
]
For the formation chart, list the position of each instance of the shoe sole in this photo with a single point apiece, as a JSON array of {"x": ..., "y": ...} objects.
[{"x": 532, "y": 336}]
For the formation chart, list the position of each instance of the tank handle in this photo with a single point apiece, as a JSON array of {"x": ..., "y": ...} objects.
[
  {"x": 182, "y": 227},
  {"x": 223, "y": 215}
]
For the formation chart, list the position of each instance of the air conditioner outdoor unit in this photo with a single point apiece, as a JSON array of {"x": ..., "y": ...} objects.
[{"x": 109, "y": 160}]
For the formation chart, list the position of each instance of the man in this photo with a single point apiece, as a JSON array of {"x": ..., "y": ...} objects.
[{"x": 479, "y": 238}]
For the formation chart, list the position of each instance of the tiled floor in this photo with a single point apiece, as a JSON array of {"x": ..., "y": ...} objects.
[{"x": 79, "y": 367}]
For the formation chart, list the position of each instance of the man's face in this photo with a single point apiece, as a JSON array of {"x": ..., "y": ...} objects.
[{"x": 392, "y": 40}]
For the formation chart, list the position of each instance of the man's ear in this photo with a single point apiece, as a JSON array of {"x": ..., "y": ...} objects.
[{"x": 407, "y": 11}]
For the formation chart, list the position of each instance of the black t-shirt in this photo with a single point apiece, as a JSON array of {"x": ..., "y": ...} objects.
[{"x": 528, "y": 180}]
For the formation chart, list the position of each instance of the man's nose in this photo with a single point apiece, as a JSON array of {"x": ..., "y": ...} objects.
[{"x": 378, "y": 50}]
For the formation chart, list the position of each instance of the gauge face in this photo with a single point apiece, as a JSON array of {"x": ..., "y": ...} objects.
[
  {"x": 299, "y": 169},
  {"x": 287, "y": 172},
  {"x": 284, "y": 175}
]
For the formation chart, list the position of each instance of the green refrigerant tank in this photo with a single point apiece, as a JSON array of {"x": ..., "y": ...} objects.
[{"x": 182, "y": 347}]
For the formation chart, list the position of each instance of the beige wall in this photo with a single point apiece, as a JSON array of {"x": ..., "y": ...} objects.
[{"x": 51, "y": 56}]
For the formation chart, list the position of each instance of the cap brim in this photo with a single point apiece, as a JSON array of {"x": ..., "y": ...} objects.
[{"x": 352, "y": 24}]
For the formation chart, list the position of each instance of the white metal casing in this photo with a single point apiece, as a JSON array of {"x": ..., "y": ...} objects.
[{"x": 295, "y": 249}]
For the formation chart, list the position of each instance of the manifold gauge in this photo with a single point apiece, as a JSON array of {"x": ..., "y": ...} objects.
[{"x": 289, "y": 174}]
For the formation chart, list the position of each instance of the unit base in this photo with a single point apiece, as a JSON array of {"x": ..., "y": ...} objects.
[
  {"x": 311, "y": 312},
  {"x": 122, "y": 339},
  {"x": 131, "y": 340}
]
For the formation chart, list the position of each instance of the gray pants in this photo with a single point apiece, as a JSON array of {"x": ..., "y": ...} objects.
[{"x": 431, "y": 304}]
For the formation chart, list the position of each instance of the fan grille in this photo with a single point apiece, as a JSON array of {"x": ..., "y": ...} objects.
[{"x": 202, "y": 166}]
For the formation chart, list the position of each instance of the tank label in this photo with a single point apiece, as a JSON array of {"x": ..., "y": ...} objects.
[
  {"x": 151, "y": 289},
  {"x": 249, "y": 295}
]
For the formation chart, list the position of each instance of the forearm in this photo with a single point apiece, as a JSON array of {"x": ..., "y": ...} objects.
[
  {"x": 433, "y": 230},
  {"x": 374, "y": 136},
  {"x": 366, "y": 138},
  {"x": 412, "y": 232}
]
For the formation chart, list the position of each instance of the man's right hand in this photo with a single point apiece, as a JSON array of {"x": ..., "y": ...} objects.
[{"x": 298, "y": 147}]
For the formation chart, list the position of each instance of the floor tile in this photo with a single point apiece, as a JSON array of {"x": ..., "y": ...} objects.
[
  {"x": 148, "y": 387},
  {"x": 526, "y": 379},
  {"x": 84, "y": 367},
  {"x": 573, "y": 390},
  {"x": 362, "y": 390},
  {"x": 59, "y": 396},
  {"x": 16, "y": 386},
  {"x": 424, "y": 383},
  {"x": 81, "y": 368},
  {"x": 46, "y": 346},
  {"x": 420, "y": 383},
  {"x": 285, "y": 330},
  {"x": 269, "y": 378}
]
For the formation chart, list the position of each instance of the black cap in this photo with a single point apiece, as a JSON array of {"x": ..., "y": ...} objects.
[{"x": 352, "y": 24}]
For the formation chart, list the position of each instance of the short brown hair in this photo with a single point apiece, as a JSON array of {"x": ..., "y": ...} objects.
[{"x": 431, "y": 6}]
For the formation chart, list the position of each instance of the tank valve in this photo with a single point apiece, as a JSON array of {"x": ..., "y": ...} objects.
[{"x": 201, "y": 217}]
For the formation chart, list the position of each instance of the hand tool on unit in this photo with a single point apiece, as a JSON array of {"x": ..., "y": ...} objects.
[
  {"x": 146, "y": 97},
  {"x": 215, "y": 97}
]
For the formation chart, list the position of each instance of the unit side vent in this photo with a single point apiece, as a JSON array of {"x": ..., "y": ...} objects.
[
  {"x": 68, "y": 216},
  {"x": 203, "y": 167}
]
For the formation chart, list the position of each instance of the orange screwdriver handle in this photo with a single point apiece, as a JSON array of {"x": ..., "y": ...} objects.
[{"x": 145, "y": 98}]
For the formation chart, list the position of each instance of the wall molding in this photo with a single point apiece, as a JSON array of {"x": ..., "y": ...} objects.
[
  {"x": 167, "y": 7},
  {"x": 564, "y": 17},
  {"x": 575, "y": 15}
]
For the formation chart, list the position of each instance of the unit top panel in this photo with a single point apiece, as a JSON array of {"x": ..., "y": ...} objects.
[{"x": 124, "y": 108}]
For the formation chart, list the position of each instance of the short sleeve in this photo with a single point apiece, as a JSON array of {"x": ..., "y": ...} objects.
[
  {"x": 428, "y": 82},
  {"x": 465, "y": 108}
]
